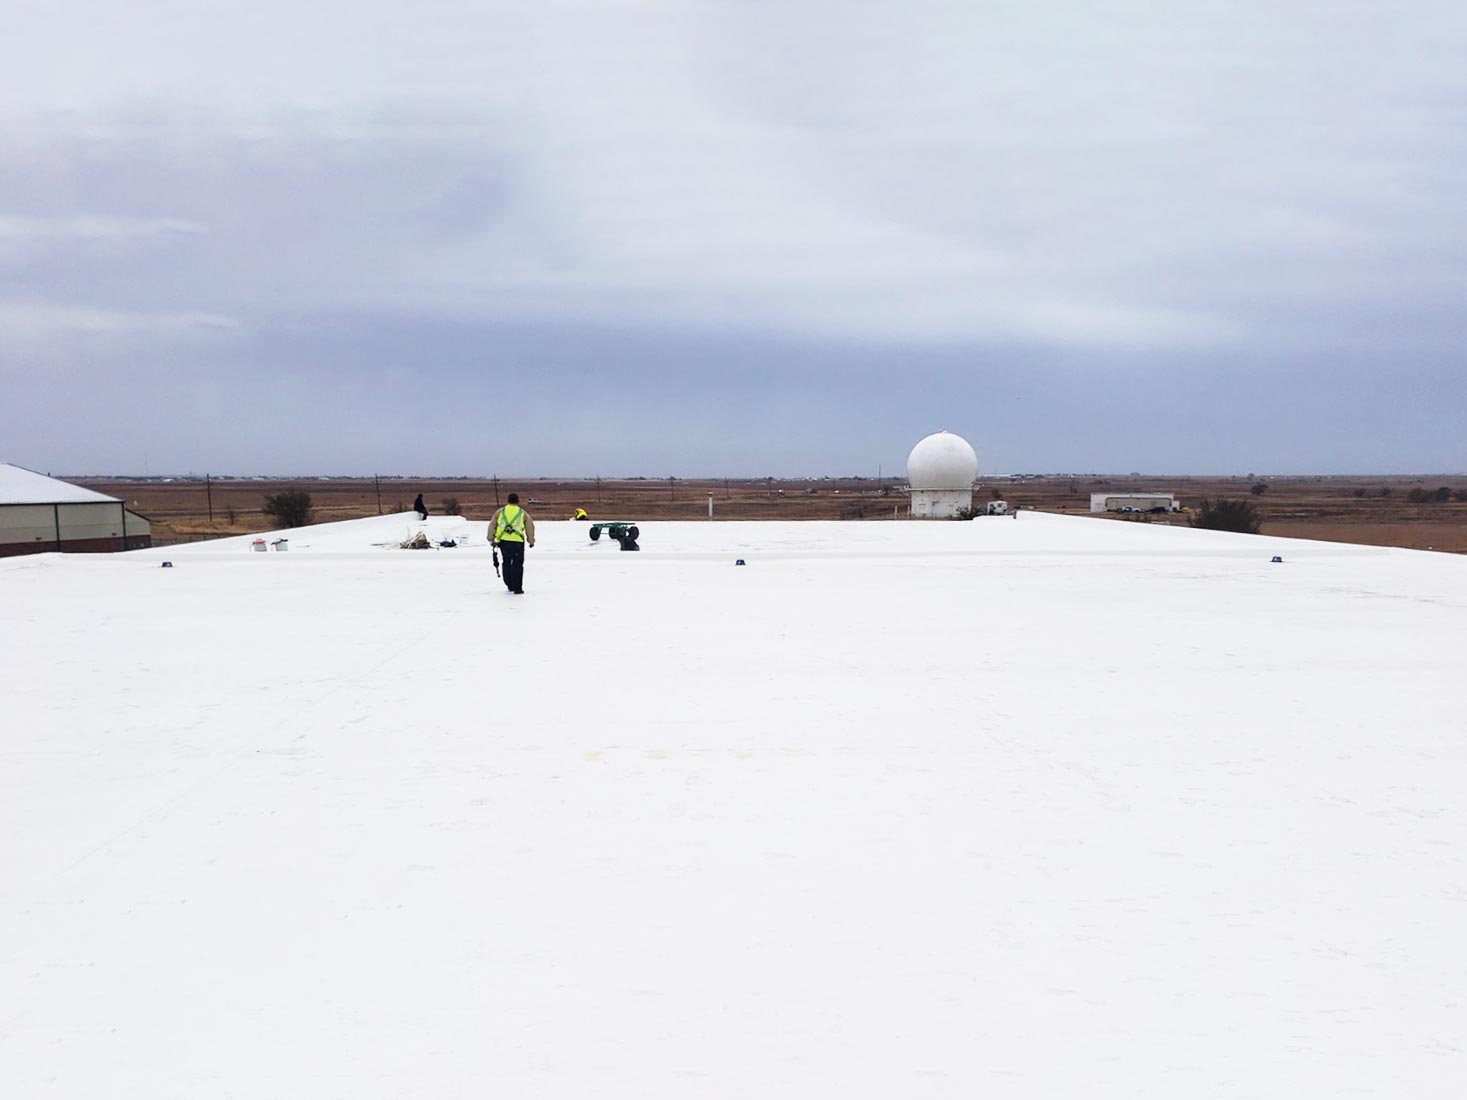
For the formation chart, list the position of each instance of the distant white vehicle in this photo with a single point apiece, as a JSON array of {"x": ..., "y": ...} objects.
[
  {"x": 998, "y": 508},
  {"x": 1134, "y": 502}
]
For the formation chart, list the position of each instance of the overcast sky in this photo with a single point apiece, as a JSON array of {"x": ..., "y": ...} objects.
[{"x": 734, "y": 237}]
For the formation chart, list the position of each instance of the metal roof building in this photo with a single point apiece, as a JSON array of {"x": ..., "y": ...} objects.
[{"x": 40, "y": 514}]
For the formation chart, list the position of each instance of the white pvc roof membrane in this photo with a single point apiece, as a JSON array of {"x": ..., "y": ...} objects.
[
  {"x": 918, "y": 810},
  {"x": 21, "y": 486}
]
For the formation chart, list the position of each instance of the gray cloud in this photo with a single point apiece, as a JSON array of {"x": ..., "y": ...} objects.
[{"x": 1120, "y": 201}]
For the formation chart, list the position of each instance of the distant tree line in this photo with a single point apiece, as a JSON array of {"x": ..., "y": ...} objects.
[
  {"x": 1439, "y": 495},
  {"x": 1419, "y": 495}
]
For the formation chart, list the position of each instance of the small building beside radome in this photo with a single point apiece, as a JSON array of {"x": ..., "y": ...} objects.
[
  {"x": 941, "y": 470},
  {"x": 40, "y": 514},
  {"x": 1134, "y": 502}
]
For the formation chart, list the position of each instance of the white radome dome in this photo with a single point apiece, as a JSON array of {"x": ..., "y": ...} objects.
[{"x": 942, "y": 461}]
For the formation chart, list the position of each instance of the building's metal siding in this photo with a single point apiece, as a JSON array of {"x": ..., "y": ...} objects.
[
  {"x": 27, "y": 523},
  {"x": 90, "y": 527}
]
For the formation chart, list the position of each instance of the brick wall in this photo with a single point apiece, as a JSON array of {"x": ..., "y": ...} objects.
[{"x": 76, "y": 546}]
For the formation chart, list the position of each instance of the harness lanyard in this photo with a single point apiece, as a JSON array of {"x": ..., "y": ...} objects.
[{"x": 512, "y": 526}]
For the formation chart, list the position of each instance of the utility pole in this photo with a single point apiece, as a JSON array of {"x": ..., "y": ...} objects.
[
  {"x": 769, "y": 482},
  {"x": 496, "y": 492},
  {"x": 598, "y": 488},
  {"x": 208, "y": 492},
  {"x": 378, "y": 482},
  {"x": 672, "y": 484}
]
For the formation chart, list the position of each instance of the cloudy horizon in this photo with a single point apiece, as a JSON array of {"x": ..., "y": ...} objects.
[{"x": 733, "y": 239}]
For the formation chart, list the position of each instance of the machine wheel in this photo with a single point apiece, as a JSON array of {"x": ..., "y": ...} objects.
[
  {"x": 633, "y": 533},
  {"x": 595, "y": 533}
]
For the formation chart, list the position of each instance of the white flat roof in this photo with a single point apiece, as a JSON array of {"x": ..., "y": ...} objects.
[
  {"x": 873, "y": 815},
  {"x": 21, "y": 486}
]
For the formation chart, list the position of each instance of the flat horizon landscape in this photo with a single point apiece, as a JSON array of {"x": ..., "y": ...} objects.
[{"x": 1362, "y": 509}]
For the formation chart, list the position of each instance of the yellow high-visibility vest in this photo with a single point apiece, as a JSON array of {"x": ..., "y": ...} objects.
[{"x": 511, "y": 524}]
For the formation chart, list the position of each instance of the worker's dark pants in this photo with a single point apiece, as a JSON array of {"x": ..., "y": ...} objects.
[{"x": 514, "y": 564}]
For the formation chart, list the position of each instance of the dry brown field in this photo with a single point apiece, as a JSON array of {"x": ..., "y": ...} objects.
[{"x": 1370, "y": 510}]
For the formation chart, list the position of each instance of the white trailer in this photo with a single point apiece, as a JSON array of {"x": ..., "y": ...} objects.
[{"x": 1134, "y": 502}]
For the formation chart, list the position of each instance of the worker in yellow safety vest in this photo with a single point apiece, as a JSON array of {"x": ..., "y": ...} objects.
[
  {"x": 511, "y": 531},
  {"x": 580, "y": 514}
]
